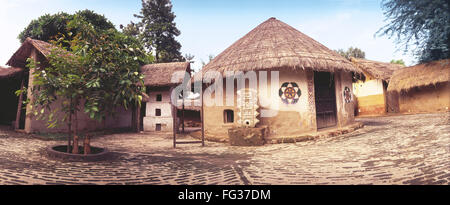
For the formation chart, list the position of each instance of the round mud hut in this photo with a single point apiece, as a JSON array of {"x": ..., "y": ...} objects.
[{"x": 302, "y": 86}]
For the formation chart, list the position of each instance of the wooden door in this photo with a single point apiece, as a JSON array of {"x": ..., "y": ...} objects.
[{"x": 325, "y": 95}]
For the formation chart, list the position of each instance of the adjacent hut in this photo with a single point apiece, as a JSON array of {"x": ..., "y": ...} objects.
[
  {"x": 313, "y": 90},
  {"x": 10, "y": 81},
  {"x": 158, "y": 113},
  {"x": 39, "y": 50},
  {"x": 370, "y": 91},
  {"x": 423, "y": 88}
]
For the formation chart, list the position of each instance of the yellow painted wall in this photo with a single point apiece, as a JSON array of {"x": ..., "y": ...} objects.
[{"x": 370, "y": 97}]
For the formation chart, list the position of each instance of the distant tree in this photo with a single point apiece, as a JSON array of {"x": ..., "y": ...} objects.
[
  {"x": 189, "y": 57},
  {"x": 158, "y": 30},
  {"x": 131, "y": 29},
  {"x": 210, "y": 58},
  {"x": 424, "y": 24},
  {"x": 352, "y": 52},
  {"x": 47, "y": 27},
  {"x": 400, "y": 61}
]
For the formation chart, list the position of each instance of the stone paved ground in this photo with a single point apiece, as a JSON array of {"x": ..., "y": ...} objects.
[{"x": 404, "y": 149}]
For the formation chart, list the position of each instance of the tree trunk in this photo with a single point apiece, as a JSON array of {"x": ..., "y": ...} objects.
[
  {"x": 75, "y": 135},
  {"x": 19, "y": 107},
  {"x": 70, "y": 129},
  {"x": 87, "y": 145}
]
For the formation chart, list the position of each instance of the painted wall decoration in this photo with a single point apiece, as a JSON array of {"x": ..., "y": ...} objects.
[
  {"x": 347, "y": 95},
  {"x": 247, "y": 102},
  {"x": 289, "y": 93}
]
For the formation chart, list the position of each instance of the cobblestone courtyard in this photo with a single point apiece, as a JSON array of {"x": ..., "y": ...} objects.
[{"x": 403, "y": 149}]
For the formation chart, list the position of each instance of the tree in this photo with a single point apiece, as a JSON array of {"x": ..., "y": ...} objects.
[
  {"x": 424, "y": 24},
  {"x": 400, "y": 61},
  {"x": 48, "y": 27},
  {"x": 158, "y": 30},
  {"x": 352, "y": 52},
  {"x": 189, "y": 57},
  {"x": 101, "y": 72}
]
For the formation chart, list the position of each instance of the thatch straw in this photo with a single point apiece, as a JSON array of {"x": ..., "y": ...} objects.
[
  {"x": 420, "y": 75},
  {"x": 160, "y": 74},
  {"x": 10, "y": 72},
  {"x": 276, "y": 45},
  {"x": 376, "y": 69},
  {"x": 19, "y": 58}
]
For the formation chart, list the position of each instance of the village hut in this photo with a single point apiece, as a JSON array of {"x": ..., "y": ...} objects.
[
  {"x": 423, "y": 88},
  {"x": 370, "y": 91},
  {"x": 313, "y": 90},
  {"x": 158, "y": 111},
  {"x": 39, "y": 50}
]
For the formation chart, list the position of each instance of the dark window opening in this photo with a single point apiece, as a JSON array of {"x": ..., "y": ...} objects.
[
  {"x": 158, "y": 112},
  {"x": 158, "y": 97},
  {"x": 158, "y": 127},
  {"x": 228, "y": 116}
]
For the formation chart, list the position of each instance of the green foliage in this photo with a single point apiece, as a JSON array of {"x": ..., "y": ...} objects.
[
  {"x": 131, "y": 29},
  {"x": 423, "y": 24},
  {"x": 352, "y": 52},
  {"x": 158, "y": 30},
  {"x": 101, "y": 72},
  {"x": 48, "y": 27},
  {"x": 400, "y": 61}
]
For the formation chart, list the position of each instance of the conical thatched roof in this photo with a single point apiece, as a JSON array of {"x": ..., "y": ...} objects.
[
  {"x": 160, "y": 74},
  {"x": 420, "y": 75},
  {"x": 376, "y": 69},
  {"x": 276, "y": 45}
]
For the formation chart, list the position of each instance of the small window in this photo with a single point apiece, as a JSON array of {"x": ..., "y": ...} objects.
[
  {"x": 228, "y": 116},
  {"x": 158, "y": 97},
  {"x": 158, "y": 127},
  {"x": 157, "y": 112}
]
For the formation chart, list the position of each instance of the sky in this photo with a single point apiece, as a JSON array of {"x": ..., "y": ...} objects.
[{"x": 210, "y": 26}]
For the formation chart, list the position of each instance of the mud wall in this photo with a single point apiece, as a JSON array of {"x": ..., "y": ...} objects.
[
  {"x": 426, "y": 99},
  {"x": 121, "y": 119},
  {"x": 345, "y": 109},
  {"x": 285, "y": 119}
]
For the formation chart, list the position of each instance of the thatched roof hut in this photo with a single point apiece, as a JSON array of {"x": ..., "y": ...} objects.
[
  {"x": 160, "y": 74},
  {"x": 276, "y": 45},
  {"x": 19, "y": 58},
  {"x": 10, "y": 72},
  {"x": 376, "y": 69},
  {"x": 420, "y": 75}
]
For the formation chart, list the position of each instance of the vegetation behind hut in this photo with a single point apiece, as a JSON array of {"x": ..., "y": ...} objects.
[
  {"x": 48, "y": 27},
  {"x": 352, "y": 53}
]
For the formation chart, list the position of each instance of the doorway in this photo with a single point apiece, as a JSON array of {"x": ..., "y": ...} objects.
[{"x": 325, "y": 98}]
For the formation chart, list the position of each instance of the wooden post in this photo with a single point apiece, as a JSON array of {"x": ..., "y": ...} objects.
[
  {"x": 138, "y": 118},
  {"x": 182, "y": 115},
  {"x": 203, "y": 116},
  {"x": 174, "y": 117},
  {"x": 19, "y": 106}
]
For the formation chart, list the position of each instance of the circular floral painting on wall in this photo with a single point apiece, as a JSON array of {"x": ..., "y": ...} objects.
[
  {"x": 289, "y": 93},
  {"x": 347, "y": 95}
]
